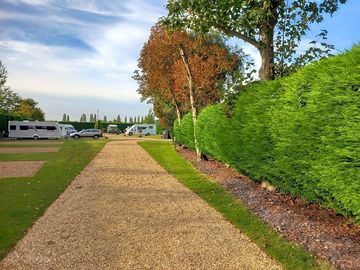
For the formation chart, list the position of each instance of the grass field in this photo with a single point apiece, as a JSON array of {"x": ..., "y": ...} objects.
[
  {"x": 23, "y": 200},
  {"x": 289, "y": 255}
]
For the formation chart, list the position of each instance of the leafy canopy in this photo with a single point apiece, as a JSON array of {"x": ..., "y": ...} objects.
[{"x": 250, "y": 19}]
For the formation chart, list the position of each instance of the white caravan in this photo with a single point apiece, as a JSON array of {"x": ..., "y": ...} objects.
[
  {"x": 34, "y": 130},
  {"x": 143, "y": 129},
  {"x": 112, "y": 128}
]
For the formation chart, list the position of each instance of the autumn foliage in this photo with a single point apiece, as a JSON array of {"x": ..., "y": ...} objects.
[{"x": 162, "y": 76}]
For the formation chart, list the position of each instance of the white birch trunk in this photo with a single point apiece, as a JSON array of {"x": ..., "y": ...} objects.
[{"x": 192, "y": 101}]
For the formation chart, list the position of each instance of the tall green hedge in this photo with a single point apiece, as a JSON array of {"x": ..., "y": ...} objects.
[
  {"x": 4, "y": 120},
  {"x": 300, "y": 133},
  {"x": 184, "y": 134}
]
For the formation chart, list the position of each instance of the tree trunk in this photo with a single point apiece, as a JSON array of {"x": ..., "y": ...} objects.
[
  {"x": 266, "y": 71},
  {"x": 178, "y": 113},
  {"x": 176, "y": 106},
  {"x": 192, "y": 102}
]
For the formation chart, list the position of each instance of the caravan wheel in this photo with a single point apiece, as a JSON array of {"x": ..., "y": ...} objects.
[
  {"x": 147, "y": 134},
  {"x": 36, "y": 138},
  {"x": 130, "y": 133}
]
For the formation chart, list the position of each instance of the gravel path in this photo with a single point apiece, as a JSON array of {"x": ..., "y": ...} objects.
[{"x": 125, "y": 212}]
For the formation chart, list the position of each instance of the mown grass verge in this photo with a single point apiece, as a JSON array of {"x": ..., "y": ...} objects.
[
  {"x": 24, "y": 199},
  {"x": 291, "y": 256}
]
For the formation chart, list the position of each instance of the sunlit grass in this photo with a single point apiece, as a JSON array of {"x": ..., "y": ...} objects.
[
  {"x": 291, "y": 256},
  {"x": 24, "y": 199}
]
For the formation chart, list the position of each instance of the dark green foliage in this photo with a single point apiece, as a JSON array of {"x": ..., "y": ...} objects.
[
  {"x": 300, "y": 133},
  {"x": 185, "y": 134},
  {"x": 98, "y": 125},
  {"x": 213, "y": 133},
  {"x": 4, "y": 119},
  {"x": 158, "y": 128}
]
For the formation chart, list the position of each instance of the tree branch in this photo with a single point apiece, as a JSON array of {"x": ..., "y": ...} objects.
[{"x": 245, "y": 38}]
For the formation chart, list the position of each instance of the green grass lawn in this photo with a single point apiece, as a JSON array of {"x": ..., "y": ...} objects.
[
  {"x": 157, "y": 136},
  {"x": 289, "y": 255},
  {"x": 23, "y": 200}
]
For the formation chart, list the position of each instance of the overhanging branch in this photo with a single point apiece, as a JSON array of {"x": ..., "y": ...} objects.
[{"x": 245, "y": 38}]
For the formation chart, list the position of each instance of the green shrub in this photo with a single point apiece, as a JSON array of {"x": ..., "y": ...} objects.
[
  {"x": 184, "y": 133},
  {"x": 300, "y": 133},
  {"x": 214, "y": 132},
  {"x": 4, "y": 121}
]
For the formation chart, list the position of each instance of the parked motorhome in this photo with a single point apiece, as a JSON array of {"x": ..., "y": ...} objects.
[
  {"x": 144, "y": 129},
  {"x": 112, "y": 129},
  {"x": 34, "y": 130},
  {"x": 66, "y": 130}
]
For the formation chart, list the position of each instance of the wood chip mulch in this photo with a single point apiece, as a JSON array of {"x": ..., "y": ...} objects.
[{"x": 322, "y": 232}]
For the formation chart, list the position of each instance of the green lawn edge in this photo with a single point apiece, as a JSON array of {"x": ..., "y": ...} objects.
[
  {"x": 24, "y": 199},
  {"x": 289, "y": 255}
]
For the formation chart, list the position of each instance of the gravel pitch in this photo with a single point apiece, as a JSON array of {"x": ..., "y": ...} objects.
[
  {"x": 13, "y": 150},
  {"x": 125, "y": 212},
  {"x": 19, "y": 168},
  {"x": 12, "y": 142}
]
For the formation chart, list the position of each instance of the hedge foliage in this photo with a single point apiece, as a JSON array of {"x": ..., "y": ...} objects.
[
  {"x": 4, "y": 120},
  {"x": 184, "y": 134},
  {"x": 300, "y": 133}
]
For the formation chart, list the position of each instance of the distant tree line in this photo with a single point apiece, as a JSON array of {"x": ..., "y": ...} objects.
[{"x": 147, "y": 119}]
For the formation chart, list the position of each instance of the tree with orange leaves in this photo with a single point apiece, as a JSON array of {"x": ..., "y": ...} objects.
[
  {"x": 156, "y": 65},
  {"x": 184, "y": 70}
]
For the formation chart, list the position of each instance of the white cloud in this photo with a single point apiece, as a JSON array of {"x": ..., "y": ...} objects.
[
  {"x": 103, "y": 73},
  {"x": 68, "y": 77}
]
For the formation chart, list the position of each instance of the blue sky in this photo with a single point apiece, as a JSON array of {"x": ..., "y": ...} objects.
[{"x": 76, "y": 56}]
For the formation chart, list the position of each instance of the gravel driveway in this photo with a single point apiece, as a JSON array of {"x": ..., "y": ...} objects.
[{"x": 125, "y": 212}]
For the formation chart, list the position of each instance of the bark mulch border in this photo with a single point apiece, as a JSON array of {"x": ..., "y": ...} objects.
[{"x": 320, "y": 231}]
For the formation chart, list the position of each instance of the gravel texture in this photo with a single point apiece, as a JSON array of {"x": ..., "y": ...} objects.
[
  {"x": 19, "y": 168},
  {"x": 125, "y": 212},
  {"x": 8, "y": 150}
]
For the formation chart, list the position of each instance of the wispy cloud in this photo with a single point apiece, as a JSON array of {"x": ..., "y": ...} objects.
[{"x": 75, "y": 48}]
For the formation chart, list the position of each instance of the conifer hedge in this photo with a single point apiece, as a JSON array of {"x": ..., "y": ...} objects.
[
  {"x": 184, "y": 134},
  {"x": 300, "y": 133}
]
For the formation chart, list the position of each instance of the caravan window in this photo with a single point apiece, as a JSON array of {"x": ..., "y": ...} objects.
[
  {"x": 12, "y": 127},
  {"x": 51, "y": 128},
  {"x": 40, "y": 127},
  {"x": 24, "y": 127},
  {"x": 151, "y": 127}
]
